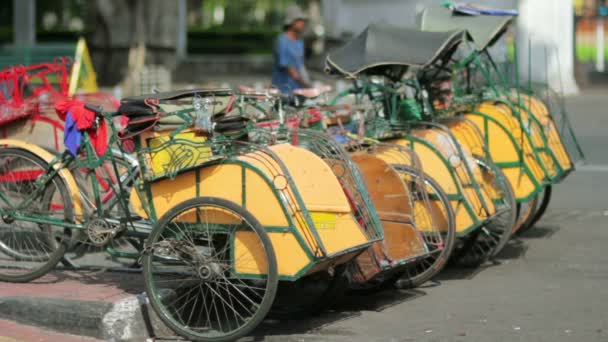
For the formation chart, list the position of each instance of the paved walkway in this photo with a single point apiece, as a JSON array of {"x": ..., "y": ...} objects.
[{"x": 14, "y": 332}]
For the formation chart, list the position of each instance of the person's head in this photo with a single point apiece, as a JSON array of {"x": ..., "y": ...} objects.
[{"x": 295, "y": 20}]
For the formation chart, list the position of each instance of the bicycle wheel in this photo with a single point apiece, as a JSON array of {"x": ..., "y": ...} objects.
[
  {"x": 29, "y": 250},
  {"x": 491, "y": 238},
  {"x": 439, "y": 240},
  {"x": 525, "y": 213},
  {"x": 540, "y": 211},
  {"x": 210, "y": 270}
]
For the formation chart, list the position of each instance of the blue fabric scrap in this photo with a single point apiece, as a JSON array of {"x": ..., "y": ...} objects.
[{"x": 72, "y": 137}]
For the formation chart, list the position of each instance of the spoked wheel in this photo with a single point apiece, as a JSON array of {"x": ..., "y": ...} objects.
[
  {"x": 29, "y": 250},
  {"x": 436, "y": 221},
  {"x": 487, "y": 241},
  {"x": 210, "y": 270},
  {"x": 540, "y": 211},
  {"x": 525, "y": 213}
]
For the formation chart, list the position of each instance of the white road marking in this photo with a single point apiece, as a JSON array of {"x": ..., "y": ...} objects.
[{"x": 592, "y": 168}]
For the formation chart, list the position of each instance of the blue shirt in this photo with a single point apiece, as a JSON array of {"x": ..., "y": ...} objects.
[{"x": 287, "y": 53}]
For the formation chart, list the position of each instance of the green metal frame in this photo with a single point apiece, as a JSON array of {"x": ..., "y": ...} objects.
[
  {"x": 364, "y": 87},
  {"x": 493, "y": 92},
  {"x": 143, "y": 187}
]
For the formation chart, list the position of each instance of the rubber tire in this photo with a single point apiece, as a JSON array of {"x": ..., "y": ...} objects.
[
  {"x": 273, "y": 278},
  {"x": 540, "y": 211},
  {"x": 525, "y": 220},
  {"x": 450, "y": 241},
  {"x": 55, "y": 257},
  {"x": 471, "y": 263}
]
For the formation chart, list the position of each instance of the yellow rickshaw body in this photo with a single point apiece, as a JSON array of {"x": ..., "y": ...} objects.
[
  {"x": 391, "y": 198},
  {"x": 540, "y": 111},
  {"x": 429, "y": 216},
  {"x": 437, "y": 159},
  {"x": 259, "y": 184},
  {"x": 530, "y": 141}
]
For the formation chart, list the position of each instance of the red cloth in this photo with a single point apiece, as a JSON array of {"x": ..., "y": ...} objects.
[{"x": 84, "y": 119}]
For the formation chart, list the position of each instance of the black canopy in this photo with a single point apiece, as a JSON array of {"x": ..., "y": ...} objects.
[
  {"x": 388, "y": 50},
  {"x": 484, "y": 29}
]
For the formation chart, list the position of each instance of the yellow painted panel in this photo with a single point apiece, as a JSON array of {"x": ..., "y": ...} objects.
[
  {"x": 387, "y": 190},
  {"x": 250, "y": 256},
  {"x": 210, "y": 215},
  {"x": 436, "y": 169},
  {"x": 501, "y": 148},
  {"x": 345, "y": 234},
  {"x": 402, "y": 241},
  {"x": 467, "y": 134},
  {"x": 433, "y": 165},
  {"x": 503, "y": 115},
  {"x": 314, "y": 179},
  {"x": 173, "y": 154},
  {"x": 520, "y": 182},
  {"x": 136, "y": 204},
  {"x": 396, "y": 156},
  {"x": 431, "y": 218},
  {"x": 541, "y": 113},
  {"x": 464, "y": 221},
  {"x": 169, "y": 193},
  {"x": 261, "y": 200}
]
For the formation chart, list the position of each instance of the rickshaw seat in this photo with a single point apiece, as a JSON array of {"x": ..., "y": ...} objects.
[{"x": 312, "y": 93}]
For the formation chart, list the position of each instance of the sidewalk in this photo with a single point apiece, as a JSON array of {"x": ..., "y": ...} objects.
[
  {"x": 93, "y": 303},
  {"x": 14, "y": 332}
]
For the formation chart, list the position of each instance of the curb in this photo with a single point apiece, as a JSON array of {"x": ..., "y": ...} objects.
[{"x": 129, "y": 319}]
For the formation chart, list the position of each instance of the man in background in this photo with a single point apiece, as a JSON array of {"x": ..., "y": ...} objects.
[{"x": 289, "y": 71}]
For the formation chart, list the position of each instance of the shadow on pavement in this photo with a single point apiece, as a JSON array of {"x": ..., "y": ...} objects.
[
  {"x": 515, "y": 249},
  {"x": 541, "y": 231},
  {"x": 351, "y": 306}
]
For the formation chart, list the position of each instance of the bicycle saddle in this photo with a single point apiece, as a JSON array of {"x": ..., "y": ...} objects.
[{"x": 312, "y": 93}]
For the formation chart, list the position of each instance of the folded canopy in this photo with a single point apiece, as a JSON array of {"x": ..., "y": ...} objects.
[
  {"x": 388, "y": 50},
  {"x": 484, "y": 29}
]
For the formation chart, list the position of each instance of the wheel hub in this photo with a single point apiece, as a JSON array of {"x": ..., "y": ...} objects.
[
  {"x": 8, "y": 219},
  {"x": 209, "y": 271}
]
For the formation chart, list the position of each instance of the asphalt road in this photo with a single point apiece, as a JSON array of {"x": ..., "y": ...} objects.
[{"x": 551, "y": 285}]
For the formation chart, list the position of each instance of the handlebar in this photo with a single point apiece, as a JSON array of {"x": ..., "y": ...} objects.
[{"x": 98, "y": 110}]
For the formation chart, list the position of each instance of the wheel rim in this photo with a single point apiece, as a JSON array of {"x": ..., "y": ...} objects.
[
  {"x": 194, "y": 278},
  {"x": 27, "y": 247},
  {"x": 436, "y": 223},
  {"x": 539, "y": 210},
  {"x": 526, "y": 213},
  {"x": 491, "y": 238}
]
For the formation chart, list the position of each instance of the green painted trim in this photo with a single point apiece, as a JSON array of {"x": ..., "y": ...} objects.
[
  {"x": 47, "y": 220},
  {"x": 522, "y": 163},
  {"x": 516, "y": 114},
  {"x": 244, "y": 187},
  {"x": 288, "y": 216},
  {"x": 543, "y": 136},
  {"x": 463, "y": 158},
  {"x": 463, "y": 199},
  {"x": 117, "y": 254}
]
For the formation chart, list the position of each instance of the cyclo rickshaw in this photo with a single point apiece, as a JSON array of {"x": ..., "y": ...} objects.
[
  {"x": 377, "y": 61},
  {"x": 224, "y": 219},
  {"x": 384, "y": 184},
  {"x": 521, "y": 133}
]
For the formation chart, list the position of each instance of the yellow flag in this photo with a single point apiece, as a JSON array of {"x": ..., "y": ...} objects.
[{"x": 83, "y": 75}]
